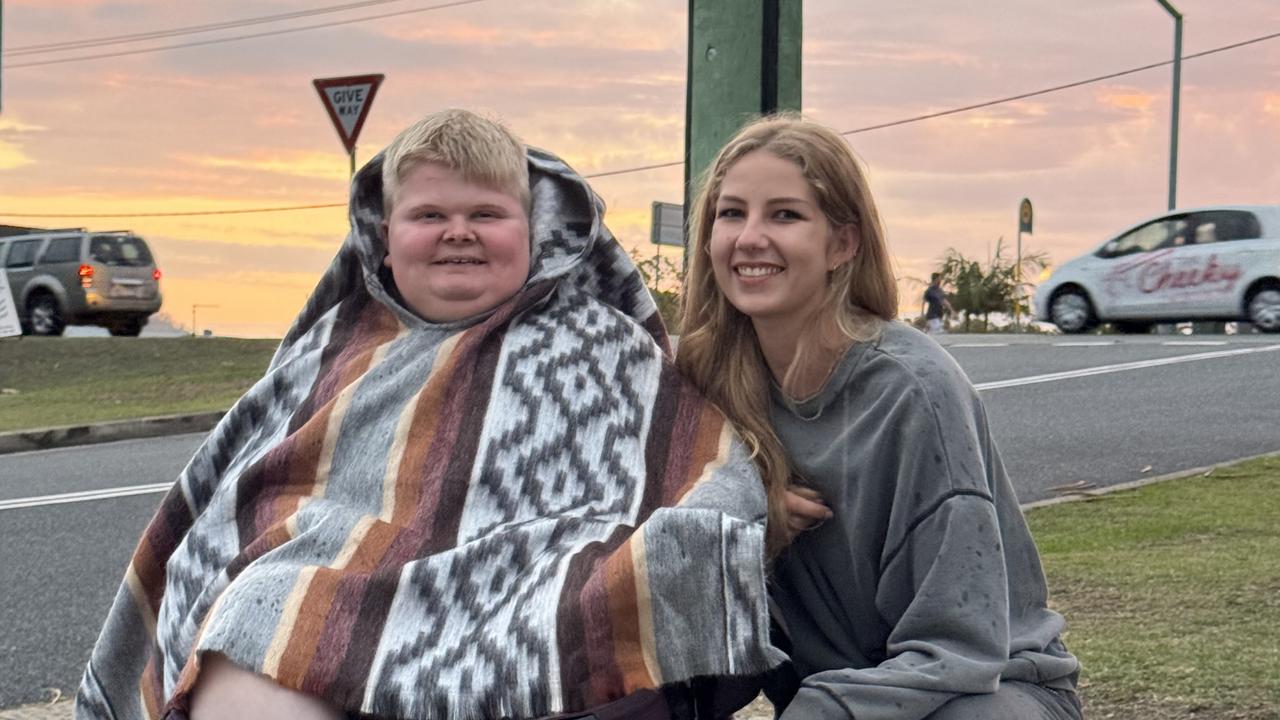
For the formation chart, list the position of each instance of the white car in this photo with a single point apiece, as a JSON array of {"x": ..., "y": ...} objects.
[{"x": 1215, "y": 263}]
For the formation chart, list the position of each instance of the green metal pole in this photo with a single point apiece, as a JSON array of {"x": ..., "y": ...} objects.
[
  {"x": 1176, "y": 101},
  {"x": 744, "y": 61}
]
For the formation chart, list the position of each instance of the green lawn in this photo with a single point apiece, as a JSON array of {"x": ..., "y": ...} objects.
[
  {"x": 1172, "y": 594},
  {"x": 67, "y": 381}
]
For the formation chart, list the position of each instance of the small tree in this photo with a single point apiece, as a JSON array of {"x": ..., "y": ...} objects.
[
  {"x": 979, "y": 291},
  {"x": 664, "y": 277}
]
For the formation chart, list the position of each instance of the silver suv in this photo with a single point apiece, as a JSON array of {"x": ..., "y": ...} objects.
[{"x": 77, "y": 277}]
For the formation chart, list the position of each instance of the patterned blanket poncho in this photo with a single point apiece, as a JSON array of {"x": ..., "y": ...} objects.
[{"x": 517, "y": 515}]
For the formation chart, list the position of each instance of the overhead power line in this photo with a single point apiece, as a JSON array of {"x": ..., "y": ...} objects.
[
  {"x": 237, "y": 38},
  {"x": 1056, "y": 88},
  {"x": 677, "y": 163},
  {"x": 186, "y": 30}
]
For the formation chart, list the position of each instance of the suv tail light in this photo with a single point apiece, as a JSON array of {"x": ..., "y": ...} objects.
[
  {"x": 155, "y": 274},
  {"x": 86, "y": 275}
]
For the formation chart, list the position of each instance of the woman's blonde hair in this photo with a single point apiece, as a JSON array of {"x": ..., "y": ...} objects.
[
  {"x": 718, "y": 348},
  {"x": 481, "y": 150}
]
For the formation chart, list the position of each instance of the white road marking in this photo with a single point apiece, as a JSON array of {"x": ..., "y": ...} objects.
[
  {"x": 1181, "y": 343},
  {"x": 1121, "y": 367},
  {"x": 979, "y": 345},
  {"x": 109, "y": 493},
  {"x": 84, "y": 496},
  {"x": 1085, "y": 343}
]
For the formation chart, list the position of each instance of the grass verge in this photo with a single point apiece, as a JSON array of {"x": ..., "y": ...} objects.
[
  {"x": 1172, "y": 594},
  {"x": 68, "y": 381}
]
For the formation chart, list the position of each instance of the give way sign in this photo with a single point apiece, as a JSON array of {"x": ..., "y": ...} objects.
[{"x": 347, "y": 99}]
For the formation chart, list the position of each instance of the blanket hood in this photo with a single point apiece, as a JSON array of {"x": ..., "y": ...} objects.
[{"x": 569, "y": 243}]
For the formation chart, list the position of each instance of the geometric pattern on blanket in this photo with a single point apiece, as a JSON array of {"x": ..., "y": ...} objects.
[{"x": 522, "y": 514}]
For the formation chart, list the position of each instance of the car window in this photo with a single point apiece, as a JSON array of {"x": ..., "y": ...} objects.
[
  {"x": 22, "y": 253},
  {"x": 1144, "y": 238},
  {"x": 60, "y": 250},
  {"x": 1224, "y": 225},
  {"x": 121, "y": 250}
]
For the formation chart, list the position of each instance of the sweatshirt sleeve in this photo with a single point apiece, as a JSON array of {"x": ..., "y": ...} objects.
[{"x": 943, "y": 588}]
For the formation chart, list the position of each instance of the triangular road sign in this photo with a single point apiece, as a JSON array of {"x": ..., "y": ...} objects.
[{"x": 347, "y": 99}]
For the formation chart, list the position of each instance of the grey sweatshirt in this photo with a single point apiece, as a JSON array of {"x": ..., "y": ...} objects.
[{"x": 926, "y": 583}]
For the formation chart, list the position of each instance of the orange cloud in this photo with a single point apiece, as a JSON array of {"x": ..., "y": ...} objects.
[
  {"x": 12, "y": 156},
  {"x": 841, "y": 52},
  {"x": 315, "y": 165},
  {"x": 1127, "y": 100},
  {"x": 10, "y": 125},
  {"x": 578, "y": 35},
  {"x": 985, "y": 121}
]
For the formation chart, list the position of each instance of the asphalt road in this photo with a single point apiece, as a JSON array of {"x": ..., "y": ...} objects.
[
  {"x": 60, "y": 564},
  {"x": 1215, "y": 404}
]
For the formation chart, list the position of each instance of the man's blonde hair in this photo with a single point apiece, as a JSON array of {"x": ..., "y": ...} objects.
[{"x": 482, "y": 150}]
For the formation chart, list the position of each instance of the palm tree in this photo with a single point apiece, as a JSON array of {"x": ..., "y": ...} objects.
[{"x": 981, "y": 291}]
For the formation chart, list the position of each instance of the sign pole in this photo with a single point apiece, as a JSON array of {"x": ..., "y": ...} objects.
[
  {"x": 743, "y": 62},
  {"x": 1174, "y": 101},
  {"x": 1, "y": 59},
  {"x": 1024, "y": 224},
  {"x": 194, "y": 331}
]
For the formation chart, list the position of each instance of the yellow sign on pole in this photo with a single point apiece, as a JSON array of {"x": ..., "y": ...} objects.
[{"x": 1024, "y": 217}]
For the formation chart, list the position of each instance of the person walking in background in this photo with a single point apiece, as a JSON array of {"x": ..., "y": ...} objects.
[
  {"x": 919, "y": 593},
  {"x": 935, "y": 305}
]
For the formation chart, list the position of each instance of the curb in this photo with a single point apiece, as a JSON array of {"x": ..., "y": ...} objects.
[
  {"x": 70, "y": 435},
  {"x": 1085, "y": 495}
]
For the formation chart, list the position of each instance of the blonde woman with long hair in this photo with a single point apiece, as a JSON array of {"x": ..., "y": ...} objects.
[{"x": 919, "y": 592}]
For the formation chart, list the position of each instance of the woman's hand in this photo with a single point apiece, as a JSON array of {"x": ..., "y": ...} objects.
[{"x": 805, "y": 509}]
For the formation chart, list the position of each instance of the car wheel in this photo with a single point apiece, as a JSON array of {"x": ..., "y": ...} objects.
[
  {"x": 1071, "y": 311},
  {"x": 1133, "y": 328},
  {"x": 45, "y": 317},
  {"x": 130, "y": 327},
  {"x": 1264, "y": 309}
]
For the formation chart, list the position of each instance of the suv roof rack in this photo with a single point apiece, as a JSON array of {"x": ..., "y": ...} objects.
[{"x": 113, "y": 232}]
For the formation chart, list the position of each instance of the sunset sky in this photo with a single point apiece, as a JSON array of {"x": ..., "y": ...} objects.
[{"x": 237, "y": 124}]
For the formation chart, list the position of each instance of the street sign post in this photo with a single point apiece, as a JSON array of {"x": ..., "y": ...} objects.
[
  {"x": 8, "y": 311},
  {"x": 667, "y": 226},
  {"x": 347, "y": 100},
  {"x": 1024, "y": 225},
  {"x": 743, "y": 61},
  {"x": 1, "y": 60}
]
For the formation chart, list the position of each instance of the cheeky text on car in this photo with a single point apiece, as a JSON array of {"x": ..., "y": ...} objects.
[{"x": 1214, "y": 263}]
